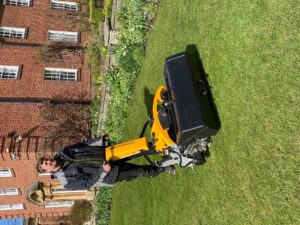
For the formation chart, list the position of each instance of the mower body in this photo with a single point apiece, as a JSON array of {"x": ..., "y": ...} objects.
[{"x": 183, "y": 118}]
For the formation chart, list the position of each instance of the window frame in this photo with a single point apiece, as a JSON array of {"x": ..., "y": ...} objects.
[
  {"x": 10, "y": 172},
  {"x": 60, "y": 70},
  {"x": 16, "y": 29},
  {"x": 45, "y": 174},
  {"x": 65, "y": 3},
  {"x": 4, "y": 190},
  {"x": 62, "y": 34},
  {"x": 18, "y": 3},
  {"x": 65, "y": 190},
  {"x": 12, "y": 207},
  {"x": 8, "y": 67},
  {"x": 59, "y": 204}
]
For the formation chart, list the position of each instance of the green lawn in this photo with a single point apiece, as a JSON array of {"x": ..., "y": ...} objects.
[{"x": 250, "y": 51}]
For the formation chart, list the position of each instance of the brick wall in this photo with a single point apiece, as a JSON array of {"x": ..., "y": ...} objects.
[
  {"x": 38, "y": 19},
  {"x": 24, "y": 176},
  {"x": 20, "y": 98},
  {"x": 22, "y": 119},
  {"x": 31, "y": 82}
]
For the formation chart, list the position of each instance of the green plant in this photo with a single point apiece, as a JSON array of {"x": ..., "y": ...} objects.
[
  {"x": 96, "y": 14},
  {"x": 98, "y": 79},
  {"x": 133, "y": 22},
  {"x": 120, "y": 83},
  {"x": 94, "y": 112},
  {"x": 103, "y": 206},
  {"x": 139, "y": 54},
  {"x": 107, "y": 7},
  {"x": 94, "y": 57},
  {"x": 125, "y": 57},
  {"x": 130, "y": 54},
  {"x": 81, "y": 212}
]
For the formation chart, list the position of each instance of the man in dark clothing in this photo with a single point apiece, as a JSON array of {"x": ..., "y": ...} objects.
[{"x": 81, "y": 167}]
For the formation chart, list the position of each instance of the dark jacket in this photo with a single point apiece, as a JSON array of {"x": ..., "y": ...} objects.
[{"x": 81, "y": 167}]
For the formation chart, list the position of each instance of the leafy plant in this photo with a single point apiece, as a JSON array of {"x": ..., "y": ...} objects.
[
  {"x": 94, "y": 112},
  {"x": 130, "y": 53},
  {"x": 133, "y": 22},
  {"x": 94, "y": 56},
  {"x": 103, "y": 206},
  {"x": 120, "y": 83},
  {"x": 80, "y": 212}
]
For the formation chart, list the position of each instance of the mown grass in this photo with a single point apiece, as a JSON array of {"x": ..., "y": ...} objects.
[{"x": 249, "y": 50}]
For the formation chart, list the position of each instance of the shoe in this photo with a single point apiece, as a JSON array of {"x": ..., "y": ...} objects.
[{"x": 170, "y": 169}]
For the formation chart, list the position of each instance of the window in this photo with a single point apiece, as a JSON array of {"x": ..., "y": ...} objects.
[
  {"x": 60, "y": 74},
  {"x": 64, "y": 36},
  {"x": 11, "y": 207},
  {"x": 9, "y": 191},
  {"x": 9, "y": 72},
  {"x": 65, "y": 190},
  {"x": 71, "y": 6},
  {"x": 59, "y": 204},
  {"x": 45, "y": 174},
  {"x": 12, "y": 32},
  {"x": 6, "y": 173},
  {"x": 17, "y": 2}
]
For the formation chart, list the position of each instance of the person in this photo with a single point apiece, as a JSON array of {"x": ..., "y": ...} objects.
[{"x": 81, "y": 167}]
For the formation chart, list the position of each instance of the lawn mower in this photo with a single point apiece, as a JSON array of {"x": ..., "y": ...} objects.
[{"x": 182, "y": 123}]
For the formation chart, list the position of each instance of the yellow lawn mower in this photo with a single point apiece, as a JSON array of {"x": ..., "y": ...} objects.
[{"x": 183, "y": 119}]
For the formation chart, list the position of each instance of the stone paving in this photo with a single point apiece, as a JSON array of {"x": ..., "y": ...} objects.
[{"x": 110, "y": 35}]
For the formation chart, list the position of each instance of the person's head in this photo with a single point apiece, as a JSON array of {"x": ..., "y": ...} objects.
[{"x": 46, "y": 165}]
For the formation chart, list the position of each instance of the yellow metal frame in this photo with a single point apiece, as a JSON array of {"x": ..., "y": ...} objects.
[
  {"x": 161, "y": 139},
  {"x": 126, "y": 149}
]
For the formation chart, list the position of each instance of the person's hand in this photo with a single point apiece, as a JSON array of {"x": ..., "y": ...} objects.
[{"x": 106, "y": 167}]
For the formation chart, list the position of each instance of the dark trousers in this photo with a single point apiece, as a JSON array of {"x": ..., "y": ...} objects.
[{"x": 129, "y": 171}]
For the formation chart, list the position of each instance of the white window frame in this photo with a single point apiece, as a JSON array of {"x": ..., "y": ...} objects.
[
  {"x": 69, "y": 6},
  {"x": 63, "y": 36},
  {"x": 59, "y": 204},
  {"x": 62, "y": 190},
  {"x": 60, "y": 74},
  {"x": 17, "y": 2},
  {"x": 45, "y": 174},
  {"x": 6, "y": 172},
  {"x": 13, "y": 32},
  {"x": 11, "y": 207},
  {"x": 13, "y": 72},
  {"x": 9, "y": 191}
]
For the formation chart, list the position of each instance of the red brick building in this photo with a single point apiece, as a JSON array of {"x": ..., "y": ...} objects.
[{"x": 25, "y": 82}]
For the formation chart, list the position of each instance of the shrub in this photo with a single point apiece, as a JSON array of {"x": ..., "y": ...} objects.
[
  {"x": 94, "y": 56},
  {"x": 94, "y": 112},
  {"x": 133, "y": 22},
  {"x": 103, "y": 206},
  {"x": 81, "y": 212},
  {"x": 120, "y": 83},
  {"x": 64, "y": 120},
  {"x": 56, "y": 51}
]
